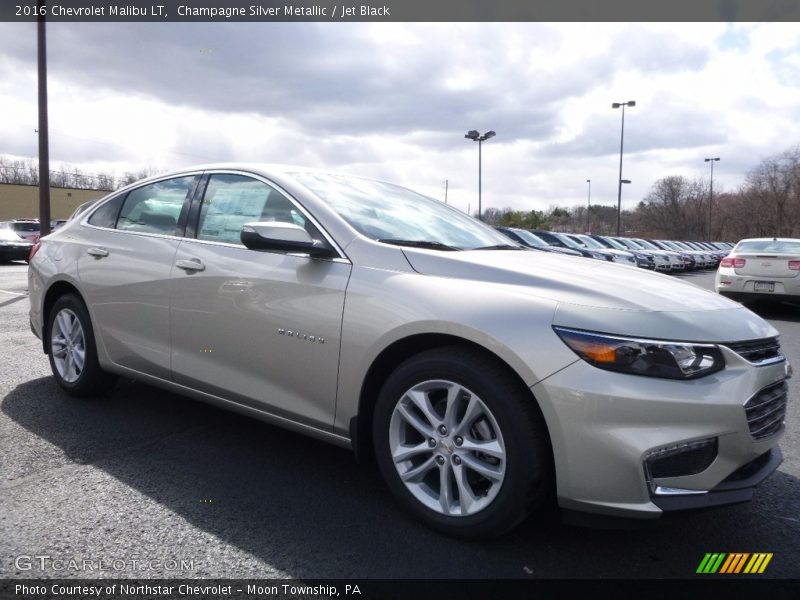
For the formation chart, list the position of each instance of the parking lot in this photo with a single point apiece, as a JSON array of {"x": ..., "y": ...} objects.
[{"x": 170, "y": 487}]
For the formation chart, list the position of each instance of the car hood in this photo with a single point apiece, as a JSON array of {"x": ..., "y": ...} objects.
[{"x": 600, "y": 296}]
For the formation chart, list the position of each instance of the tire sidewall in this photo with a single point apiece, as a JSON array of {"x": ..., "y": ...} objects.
[
  {"x": 526, "y": 466},
  {"x": 91, "y": 370}
]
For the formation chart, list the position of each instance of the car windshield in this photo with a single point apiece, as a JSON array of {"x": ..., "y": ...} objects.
[
  {"x": 568, "y": 240},
  {"x": 530, "y": 238},
  {"x": 628, "y": 243},
  {"x": 615, "y": 244},
  {"x": 590, "y": 242},
  {"x": 393, "y": 214},
  {"x": 647, "y": 244},
  {"x": 769, "y": 246}
]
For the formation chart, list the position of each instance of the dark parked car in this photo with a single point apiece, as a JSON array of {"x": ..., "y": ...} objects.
[
  {"x": 26, "y": 229},
  {"x": 563, "y": 241},
  {"x": 533, "y": 241}
]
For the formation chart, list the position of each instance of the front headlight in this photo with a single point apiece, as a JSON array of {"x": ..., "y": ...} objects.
[{"x": 653, "y": 358}]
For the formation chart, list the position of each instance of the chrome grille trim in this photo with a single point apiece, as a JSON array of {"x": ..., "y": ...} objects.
[
  {"x": 766, "y": 410},
  {"x": 762, "y": 352}
]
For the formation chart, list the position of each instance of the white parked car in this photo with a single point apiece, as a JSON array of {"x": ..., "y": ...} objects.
[{"x": 761, "y": 269}]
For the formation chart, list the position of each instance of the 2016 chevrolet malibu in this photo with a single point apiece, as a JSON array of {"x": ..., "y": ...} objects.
[{"x": 484, "y": 379}]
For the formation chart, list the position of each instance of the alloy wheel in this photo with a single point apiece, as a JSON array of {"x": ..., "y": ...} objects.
[
  {"x": 68, "y": 345},
  {"x": 447, "y": 448}
]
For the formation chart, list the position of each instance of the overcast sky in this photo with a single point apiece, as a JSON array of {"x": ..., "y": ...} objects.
[{"x": 393, "y": 101}]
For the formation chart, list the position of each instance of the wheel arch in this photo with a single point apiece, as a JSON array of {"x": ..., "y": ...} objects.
[
  {"x": 54, "y": 292},
  {"x": 389, "y": 359}
]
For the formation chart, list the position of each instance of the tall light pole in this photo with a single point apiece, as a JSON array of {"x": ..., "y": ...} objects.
[
  {"x": 588, "y": 204},
  {"x": 710, "y": 192},
  {"x": 619, "y": 214},
  {"x": 44, "y": 140},
  {"x": 621, "y": 140},
  {"x": 480, "y": 138}
]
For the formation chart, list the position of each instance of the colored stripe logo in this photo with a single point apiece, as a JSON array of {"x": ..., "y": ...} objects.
[{"x": 734, "y": 563}]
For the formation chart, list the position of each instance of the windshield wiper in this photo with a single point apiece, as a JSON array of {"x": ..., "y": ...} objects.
[
  {"x": 500, "y": 247},
  {"x": 429, "y": 244}
]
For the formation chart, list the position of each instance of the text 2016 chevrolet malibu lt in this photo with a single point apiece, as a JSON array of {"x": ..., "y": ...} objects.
[{"x": 483, "y": 377}]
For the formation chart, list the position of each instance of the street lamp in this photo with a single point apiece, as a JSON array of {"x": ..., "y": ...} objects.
[
  {"x": 588, "y": 204},
  {"x": 621, "y": 138},
  {"x": 710, "y": 192},
  {"x": 480, "y": 138},
  {"x": 619, "y": 214}
]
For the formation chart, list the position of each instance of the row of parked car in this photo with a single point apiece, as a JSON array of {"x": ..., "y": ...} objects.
[
  {"x": 18, "y": 236},
  {"x": 656, "y": 255}
]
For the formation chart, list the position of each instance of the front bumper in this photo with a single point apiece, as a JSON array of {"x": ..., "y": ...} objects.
[
  {"x": 737, "y": 487},
  {"x": 603, "y": 426}
]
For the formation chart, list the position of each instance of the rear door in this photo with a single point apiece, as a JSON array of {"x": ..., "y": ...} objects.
[
  {"x": 258, "y": 328},
  {"x": 128, "y": 249}
]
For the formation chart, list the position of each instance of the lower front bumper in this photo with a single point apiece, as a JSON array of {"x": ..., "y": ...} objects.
[
  {"x": 736, "y": 488},
  {"x": 604, "y": 426}
]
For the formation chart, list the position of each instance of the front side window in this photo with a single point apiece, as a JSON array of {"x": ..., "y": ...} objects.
[
  {"x": 156, "y": 208},
  {"x": 230, "y": 201}
]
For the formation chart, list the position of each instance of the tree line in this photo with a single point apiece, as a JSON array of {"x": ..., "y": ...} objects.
[
  {"x": 676, "y": 207},
  {"x": 26, "y": 172}
]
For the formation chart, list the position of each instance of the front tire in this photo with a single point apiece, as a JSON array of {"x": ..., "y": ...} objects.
[
  {"x": 72, "y": 349},
  {"x": 461, "y": 443}
]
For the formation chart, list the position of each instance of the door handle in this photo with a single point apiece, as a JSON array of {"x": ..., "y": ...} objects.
[
  {"x": 97, "y": 252},
  {"x": 190, "y": 265}
]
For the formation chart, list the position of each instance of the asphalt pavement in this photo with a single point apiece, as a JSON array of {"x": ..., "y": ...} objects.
[{"x": 144, "y": 483}]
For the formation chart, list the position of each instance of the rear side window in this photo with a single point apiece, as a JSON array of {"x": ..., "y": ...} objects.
[
  {"x": 106, "y": 215},
  {"x": 230, "y": 201},
  {"x": 155, "y": 208}
]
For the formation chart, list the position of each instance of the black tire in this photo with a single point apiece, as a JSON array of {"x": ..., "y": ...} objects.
[
  {"x": 528, "y": 483},
  {"x": 92, "y": 380}
]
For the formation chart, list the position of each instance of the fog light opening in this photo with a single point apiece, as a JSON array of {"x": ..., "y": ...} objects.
[{"x": 688, "y": 458}]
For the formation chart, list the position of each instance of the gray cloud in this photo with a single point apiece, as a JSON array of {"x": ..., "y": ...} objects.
[
  {"x": 325, "y": 78},
  {"x": 647, "y": 128}
]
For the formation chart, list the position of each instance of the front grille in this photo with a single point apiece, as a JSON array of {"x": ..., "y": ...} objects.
[
  {"x": 766, "y": 410},
  {"x": 757, "y": 351}
]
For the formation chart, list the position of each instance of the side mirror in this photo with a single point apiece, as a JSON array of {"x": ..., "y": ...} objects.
[{"x": 284, "y": 237}]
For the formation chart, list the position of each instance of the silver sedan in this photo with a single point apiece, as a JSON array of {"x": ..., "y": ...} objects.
[{"x": 484, "y": 379}]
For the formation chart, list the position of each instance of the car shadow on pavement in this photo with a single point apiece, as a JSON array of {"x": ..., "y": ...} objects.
[{"x": 307, "y": 509}]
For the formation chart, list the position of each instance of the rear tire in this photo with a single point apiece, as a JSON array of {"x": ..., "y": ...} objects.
[
  {"x": 72, "y": 350},
  {"x": 456, "y": 419}
]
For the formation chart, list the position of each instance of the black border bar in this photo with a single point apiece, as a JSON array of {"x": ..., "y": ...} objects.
[
  {"x": 403, "y": 10},
  {"x": 729, "y": 587}
]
